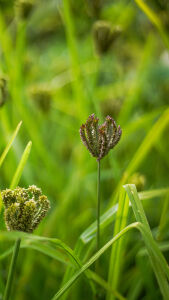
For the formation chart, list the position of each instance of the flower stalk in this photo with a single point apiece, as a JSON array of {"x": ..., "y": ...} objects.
[
  {"x": 12, "y": 270},
  {"x": 99, "y": 140},
  {"x": 98, "y": 205}
]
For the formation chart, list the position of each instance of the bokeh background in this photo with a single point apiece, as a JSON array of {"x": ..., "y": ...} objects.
[{"x": 60, "y": 61}]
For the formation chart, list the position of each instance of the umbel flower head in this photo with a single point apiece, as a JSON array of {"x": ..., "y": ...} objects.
[
  {"x": 24, "y": 208},
  {"x": 99, "y": 140}
]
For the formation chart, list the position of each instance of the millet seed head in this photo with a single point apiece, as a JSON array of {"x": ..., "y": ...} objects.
[
  {"x": 99, "y": 140},
  {"x": 24, "y": 208}
]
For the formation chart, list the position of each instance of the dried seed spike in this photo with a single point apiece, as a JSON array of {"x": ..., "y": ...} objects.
[
  {"x": 89, "y": 128},
  {"x": 95, "y": 135},
  {"x": 113, "y": 135},
  {"x": 104, "y": 143},
  {"x": 109, "y": 128},
  {"x": 84, "y": 138},
  {"x": 116, "y": 138}
]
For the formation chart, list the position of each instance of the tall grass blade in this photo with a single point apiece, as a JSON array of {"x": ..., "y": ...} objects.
[
  {"x": 153, "y": 17},
  {"x": 164, "y": 220},
  {"x": 5, "y": 152},
  {"x": 58, "y": 255},
  {"x": 36, "y": 242},
  {"x": 109, "y": 216},
  {"x": 115, "y": 263},
  {"x": 158, "y": 261},
  {"x": 92, "y": 260},
  {"x": 21, "y": 166},
  {"x": 86, "y": 243},
  {"x": 99, "y": 280}
]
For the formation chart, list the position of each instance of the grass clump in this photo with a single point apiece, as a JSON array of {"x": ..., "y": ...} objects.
[{"x": 60, "y": 61}]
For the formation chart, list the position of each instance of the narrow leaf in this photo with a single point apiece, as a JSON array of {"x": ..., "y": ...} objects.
[
  {"x": 21, "y": 166},
  {"x": 4, "y": 154}
]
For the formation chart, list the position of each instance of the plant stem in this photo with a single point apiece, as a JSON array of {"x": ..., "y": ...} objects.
[
  {"x": 98, "y": 206},
  {"x": 12, "y": 270}
]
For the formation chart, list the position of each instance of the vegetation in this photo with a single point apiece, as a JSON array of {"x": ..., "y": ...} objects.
[{"x": 61, "y": 62}]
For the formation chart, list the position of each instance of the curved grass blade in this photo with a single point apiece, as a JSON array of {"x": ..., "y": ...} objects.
[
  {"x": 92, "y": 260},
  {"x": 84, "y": 245},
  {"x": 59, "y": 256},
  {"x": 146, "y": 237},
  {"x": 30, "y": 239},
  {"x": 5, "y": 152},
  {"x": 49, "y": 251},
  {"x": 158, "y": 261},
  {"x": 45, "y": 249},
  {"x": 109, "y": 216},
  {"x": 33, "y": 241},
  {"x": 21, "y": 166}
]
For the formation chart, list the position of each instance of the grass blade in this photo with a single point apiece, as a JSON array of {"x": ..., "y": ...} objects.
[
  {"x": 104, "y": 285},
  {"x": 118, "y": 248},
  {"x": 164, "y": 221},
  {"x": 109, "y": 216},
  {"x": 84, "y": 243},
  {"x": 54, "y": 253},
  {"x": 158, "y": 261},
  {"x": 4, "y": 154},
  {"x": 154, "y": 19},
  {"x": 35, "y": 242},
  {"x": 92, "y": 260},
  {"x": 21, "y": 166}
]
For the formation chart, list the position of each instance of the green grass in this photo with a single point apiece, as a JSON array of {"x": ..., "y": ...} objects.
[{"x": 54, "y": 50}]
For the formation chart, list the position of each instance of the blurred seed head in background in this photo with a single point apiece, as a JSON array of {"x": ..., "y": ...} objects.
[
  {"x": 42, "y": 97},
  {"x": 24, "y": 8},
  {"x": 104, "y": 36},
  {"x": 3, "y": 90}
]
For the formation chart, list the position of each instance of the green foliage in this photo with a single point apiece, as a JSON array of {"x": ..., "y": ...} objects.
[{"x": 54, "y": 74}]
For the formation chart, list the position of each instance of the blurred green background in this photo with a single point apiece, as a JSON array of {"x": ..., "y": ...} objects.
[{"x": 59, "y": 62}]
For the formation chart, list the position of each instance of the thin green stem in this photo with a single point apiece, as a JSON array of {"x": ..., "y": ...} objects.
[
  {"x": 12, "y": 270},
  {"x": 98, "y": 206}
]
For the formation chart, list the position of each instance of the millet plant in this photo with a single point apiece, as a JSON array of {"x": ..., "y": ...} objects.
[
  {"x": 24, "y": 210},
  {"x": 99, "y": 140}
]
